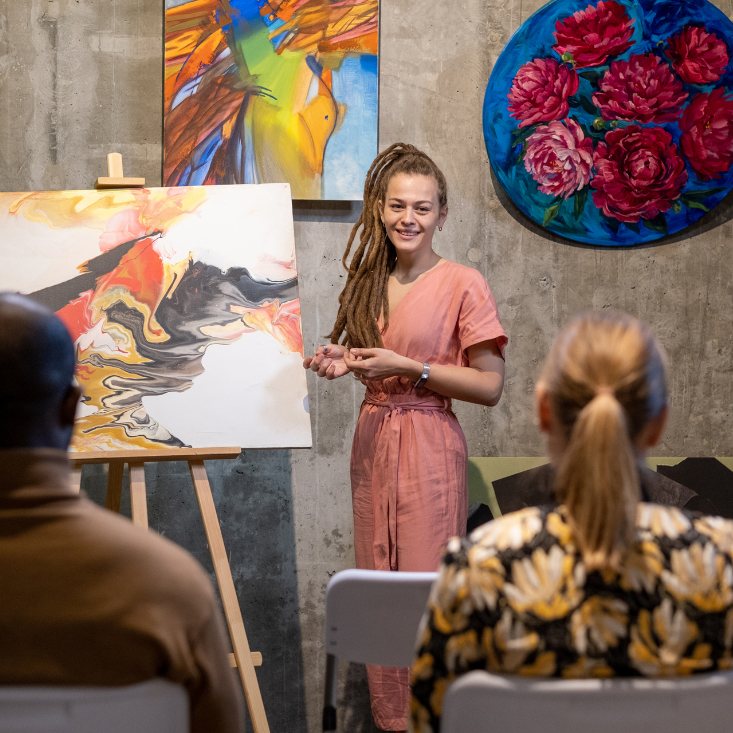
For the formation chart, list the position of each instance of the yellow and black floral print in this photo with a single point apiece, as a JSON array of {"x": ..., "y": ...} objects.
[{"x": 515, "y": 598}]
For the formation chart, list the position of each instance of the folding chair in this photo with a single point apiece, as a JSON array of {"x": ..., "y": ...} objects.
[
  {"x": 479, "y": 702},
  {"x": 372, "y": 617},
  {"x": 157, "y": 706}
]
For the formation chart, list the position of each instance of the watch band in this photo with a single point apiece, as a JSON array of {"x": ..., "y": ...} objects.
[{"x": 424, "y": 376}]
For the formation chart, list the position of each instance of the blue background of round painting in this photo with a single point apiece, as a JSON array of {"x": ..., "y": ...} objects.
[{"x": 654, "y": 21}]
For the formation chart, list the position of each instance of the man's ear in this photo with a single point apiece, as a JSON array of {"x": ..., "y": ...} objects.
[
  {"x": 67, "y": 411},
  {"x": 544, "y": 409}
]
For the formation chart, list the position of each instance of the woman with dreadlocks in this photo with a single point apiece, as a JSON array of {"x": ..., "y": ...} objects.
[{"x": 418, "y": 330}]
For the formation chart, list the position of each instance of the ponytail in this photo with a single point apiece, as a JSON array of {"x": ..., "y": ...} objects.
[
  {"x": 605, "y": 379},
  {"x": 599, "y": 482}
]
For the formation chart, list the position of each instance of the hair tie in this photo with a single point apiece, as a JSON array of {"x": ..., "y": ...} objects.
[{"x": 605, "y": 390}]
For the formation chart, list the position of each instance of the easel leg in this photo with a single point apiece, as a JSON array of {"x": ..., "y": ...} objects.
[
  {"x": 233, "y": 614},
  {"x": 138, "y": 497},
  {"x": 114, "y": 485},
  {"x": 76, "y": 478}
]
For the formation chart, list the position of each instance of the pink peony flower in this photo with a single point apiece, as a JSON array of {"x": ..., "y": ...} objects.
[
  {"x": 594, "y": 34},
  {"x": 707, "y": 134},
  {"x": 698, "y": 56},
  {"x": 639, "y": 173},
  {"x": 642, "y": 89},
  {"x": 560, "y": 158},
  {"x": 540, "y": 91}
]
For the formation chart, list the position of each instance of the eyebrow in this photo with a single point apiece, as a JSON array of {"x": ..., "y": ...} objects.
[{"x": 417, "y": 203}]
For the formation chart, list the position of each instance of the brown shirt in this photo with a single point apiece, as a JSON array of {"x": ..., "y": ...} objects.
[{"x": 87, "y": 598}]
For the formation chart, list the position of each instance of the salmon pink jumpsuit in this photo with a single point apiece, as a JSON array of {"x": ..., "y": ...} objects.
[{"x": 408, "y": 461}]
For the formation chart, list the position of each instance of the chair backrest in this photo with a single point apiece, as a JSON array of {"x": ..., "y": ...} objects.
[
  {"x": 372, "y": 616},
  {"x": 478, "y": 702},
  {"x": 157, "y": 706}
]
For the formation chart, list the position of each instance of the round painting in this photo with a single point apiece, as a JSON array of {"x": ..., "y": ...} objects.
[{"x": 612, "y": 122}]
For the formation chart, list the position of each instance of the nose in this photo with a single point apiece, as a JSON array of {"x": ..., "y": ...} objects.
[{"x": 408, "y": 216}]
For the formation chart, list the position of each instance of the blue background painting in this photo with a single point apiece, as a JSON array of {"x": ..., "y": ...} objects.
[{"x": 655, "y": 22}]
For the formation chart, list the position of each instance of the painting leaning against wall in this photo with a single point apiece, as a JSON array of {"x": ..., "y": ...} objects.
[
  {"x": 183, "y": 307},
  {"x": 611, "y": 122},
  {"x": 270, "y": 92}
]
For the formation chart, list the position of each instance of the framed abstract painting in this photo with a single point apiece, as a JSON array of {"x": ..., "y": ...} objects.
[
  {"x": 611, "y": 122},
  {"x": 183, "y": 306},
  {"x": 271, "y": 92}
]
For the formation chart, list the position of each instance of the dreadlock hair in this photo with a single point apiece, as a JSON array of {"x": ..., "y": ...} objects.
[{"x": 365, "y": 295}]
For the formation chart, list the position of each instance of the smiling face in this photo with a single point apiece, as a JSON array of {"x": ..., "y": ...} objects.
[{"x": 411, "y": 211}]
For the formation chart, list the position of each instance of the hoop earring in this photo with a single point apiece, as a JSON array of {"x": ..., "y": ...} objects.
[{"x": 440, "y": 229}]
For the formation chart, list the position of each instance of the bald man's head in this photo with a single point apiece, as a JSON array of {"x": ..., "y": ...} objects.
[{"x": 37, "y": 396}]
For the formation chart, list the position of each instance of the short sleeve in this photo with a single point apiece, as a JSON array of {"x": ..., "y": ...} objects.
[{"x": 478, "y": 319}]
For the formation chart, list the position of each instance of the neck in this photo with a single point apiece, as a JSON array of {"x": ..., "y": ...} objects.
[{"x": 411, "y": 265}]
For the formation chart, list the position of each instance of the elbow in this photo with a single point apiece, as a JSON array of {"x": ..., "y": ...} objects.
[{"x": 494, "y": 396}]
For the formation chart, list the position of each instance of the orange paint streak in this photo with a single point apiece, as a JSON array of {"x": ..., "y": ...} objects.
[
  {"x": 83, "y": 373},
  {"x": 141, "y": 272},
  {"x": 76, "y": 315},
  {"x": 282, "y": 322}
]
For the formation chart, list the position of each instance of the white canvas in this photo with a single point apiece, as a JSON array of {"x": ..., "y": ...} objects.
[{"x": 183, "y": 305}]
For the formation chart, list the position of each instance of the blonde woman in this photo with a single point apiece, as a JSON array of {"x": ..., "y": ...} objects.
[
  {"x": 419, "y": 331},
  {"x": 604, "y": 584}
]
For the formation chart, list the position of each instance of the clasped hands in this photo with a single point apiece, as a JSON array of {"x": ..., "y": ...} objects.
[{"x": 333, "y": 361}]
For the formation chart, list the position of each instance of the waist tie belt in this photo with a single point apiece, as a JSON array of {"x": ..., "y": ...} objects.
[
  {"x": 385, "y": 478},
  {"x": 431, "y": 403}
]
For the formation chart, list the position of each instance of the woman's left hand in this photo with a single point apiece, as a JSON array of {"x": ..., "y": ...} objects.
[{"x": 374, "y": 364}]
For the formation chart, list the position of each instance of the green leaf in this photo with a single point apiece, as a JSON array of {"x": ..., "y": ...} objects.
[
  {"x": 591, "y": 76},
  {"x": 551, "y": 213},
  {"x": 588, "y": 106},
  {"x": 580, "y": 198},
  {"x": 693, "y": 204},
  {"x": 657, "y": 224},
  {"x": 700, "y": 195},
  {"x": 522, "y": 155},
  {"x": 634, "y": 227},
  {"x": 521, "y": 134}
]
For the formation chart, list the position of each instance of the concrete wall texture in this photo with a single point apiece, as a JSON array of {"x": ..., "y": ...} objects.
[{"x": 81, "y": 78}]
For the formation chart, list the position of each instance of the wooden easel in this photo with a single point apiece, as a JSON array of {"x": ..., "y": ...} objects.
[{"x": 242, "y": 658}]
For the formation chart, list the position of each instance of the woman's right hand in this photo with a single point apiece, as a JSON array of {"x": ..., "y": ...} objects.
[{"x": 328, "y": 361}]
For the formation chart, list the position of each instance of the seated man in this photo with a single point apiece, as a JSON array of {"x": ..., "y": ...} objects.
[
  {"x": 88, "y": 598},
  {"x": 605, "y": 584}
]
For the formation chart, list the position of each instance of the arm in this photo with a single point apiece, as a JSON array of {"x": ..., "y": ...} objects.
[
  {"x": 215, "y": 697},
  {"x": 481, "y": 382},
  {"x": 449, "y": 645}
]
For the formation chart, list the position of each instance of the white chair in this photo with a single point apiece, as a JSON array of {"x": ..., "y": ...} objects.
[
  {"x": 372, "y": 617},
  {"x": 157, "y": 706},
  {"x": 479, "y": 702}
]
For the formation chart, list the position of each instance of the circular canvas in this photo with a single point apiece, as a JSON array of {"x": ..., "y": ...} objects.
[{"x": 611, "y": 122}]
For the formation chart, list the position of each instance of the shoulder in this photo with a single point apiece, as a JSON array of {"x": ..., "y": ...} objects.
[
  {"x": 146, "y": 564},
  {"x": 516, "y": 530},
  {"x": 683, "y": 527},
  {"x": 468, "y": 286},
  {"x": 462, "y": 273}
]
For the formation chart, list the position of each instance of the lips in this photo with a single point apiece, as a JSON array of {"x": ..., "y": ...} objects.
[{"x": 403, "y": 233}]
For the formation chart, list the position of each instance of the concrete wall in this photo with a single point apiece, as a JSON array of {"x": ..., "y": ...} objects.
[{"x": 80, "y": 78}]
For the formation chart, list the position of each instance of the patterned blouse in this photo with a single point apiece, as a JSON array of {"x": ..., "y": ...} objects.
[{"x": 515, "y": 598}]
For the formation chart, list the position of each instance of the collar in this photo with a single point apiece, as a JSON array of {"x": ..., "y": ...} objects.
[{"x": 34, "y": 476}]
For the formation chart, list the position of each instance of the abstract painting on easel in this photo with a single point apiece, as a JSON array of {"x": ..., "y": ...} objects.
[
  {"x": 264, "y": 91},
  {"x": 183, "y": 306}
]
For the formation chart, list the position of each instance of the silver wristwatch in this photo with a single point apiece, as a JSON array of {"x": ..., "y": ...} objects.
[{"x": 424, "y": 376}]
